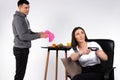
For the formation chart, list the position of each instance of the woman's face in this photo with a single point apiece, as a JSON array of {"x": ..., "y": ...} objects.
[{"x": 80, "y": 35}]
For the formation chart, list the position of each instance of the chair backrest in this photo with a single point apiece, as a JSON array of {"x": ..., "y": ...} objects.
[{"x": 108, "y": 47}]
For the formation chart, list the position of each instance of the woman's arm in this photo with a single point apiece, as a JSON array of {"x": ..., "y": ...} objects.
[
  {"x": 102, "y": 55},
  {"x": 75, "y": 56}
]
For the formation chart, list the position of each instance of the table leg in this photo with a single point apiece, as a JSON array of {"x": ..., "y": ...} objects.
[
  {"x": 56, "y": 77},
  {"x": 46, "y": 67},
  {"x": 65, "y": 69}
]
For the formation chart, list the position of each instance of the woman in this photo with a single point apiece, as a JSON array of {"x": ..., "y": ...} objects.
[{"x": 88, "y": 58}]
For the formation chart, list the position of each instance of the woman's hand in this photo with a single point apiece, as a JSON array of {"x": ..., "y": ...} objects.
[{"x": 85, "y": 51}]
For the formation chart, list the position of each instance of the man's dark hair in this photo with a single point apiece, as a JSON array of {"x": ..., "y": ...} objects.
[{"x": 20, "y": 2}]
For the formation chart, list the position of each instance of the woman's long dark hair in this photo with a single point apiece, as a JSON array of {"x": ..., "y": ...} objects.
[{"x": 74, "y": 43}]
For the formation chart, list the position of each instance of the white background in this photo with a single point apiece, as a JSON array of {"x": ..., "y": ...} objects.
[{"x": 99, "y": 18}]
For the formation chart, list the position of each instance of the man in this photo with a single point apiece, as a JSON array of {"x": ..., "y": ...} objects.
[{"x": 22, "y": 38}]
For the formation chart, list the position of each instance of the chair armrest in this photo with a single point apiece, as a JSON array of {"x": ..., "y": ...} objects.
[{"x": 106, "y": 75}]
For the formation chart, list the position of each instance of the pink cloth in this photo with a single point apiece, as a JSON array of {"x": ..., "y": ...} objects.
[{"x": 50, "y": 35}]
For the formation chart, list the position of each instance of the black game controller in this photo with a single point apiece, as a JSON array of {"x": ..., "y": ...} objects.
[{"x": 93, "y": 48}]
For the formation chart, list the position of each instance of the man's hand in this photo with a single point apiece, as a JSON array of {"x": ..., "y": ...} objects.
[{"x": 43, "y": 35}]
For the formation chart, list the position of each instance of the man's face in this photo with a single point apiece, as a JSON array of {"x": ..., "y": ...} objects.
[{"x": 24, "y": 8}]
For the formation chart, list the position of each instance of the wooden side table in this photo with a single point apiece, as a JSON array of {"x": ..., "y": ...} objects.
[{"x": 47, "y": 60}]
